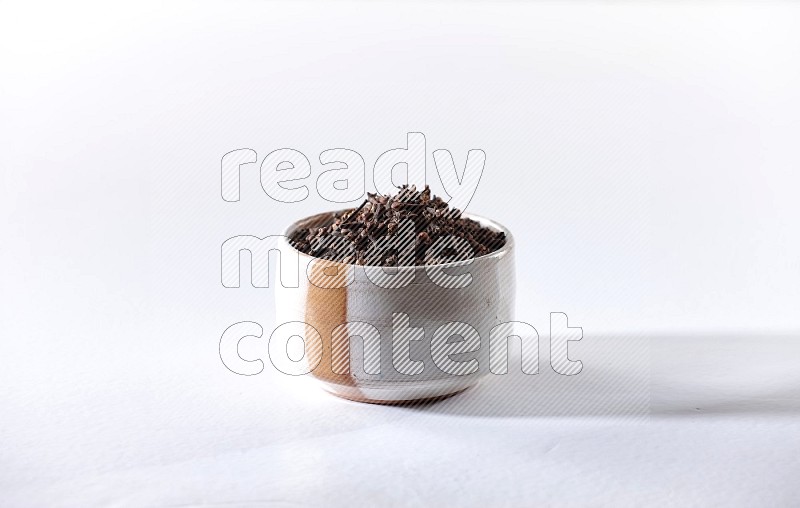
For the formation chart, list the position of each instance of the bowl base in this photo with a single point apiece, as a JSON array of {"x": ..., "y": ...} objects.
[
  {"x": 395, "y": 395},
  {"x": 425, "y": 400}
]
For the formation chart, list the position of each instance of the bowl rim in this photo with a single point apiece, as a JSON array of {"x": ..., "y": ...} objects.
[{"x": 483, "y": 221}]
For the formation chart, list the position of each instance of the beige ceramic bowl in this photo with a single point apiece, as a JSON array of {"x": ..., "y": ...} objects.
[{"x": 394, "y": 337}]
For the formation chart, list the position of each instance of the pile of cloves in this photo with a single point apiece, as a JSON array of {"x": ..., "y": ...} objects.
[{"x": 364, "y": 235}]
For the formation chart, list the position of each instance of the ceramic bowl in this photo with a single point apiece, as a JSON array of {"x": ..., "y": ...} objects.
[{"x": 392, "y": 335}]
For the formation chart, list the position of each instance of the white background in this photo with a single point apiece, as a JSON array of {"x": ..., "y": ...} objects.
[{"x": 645, "y": 157}]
